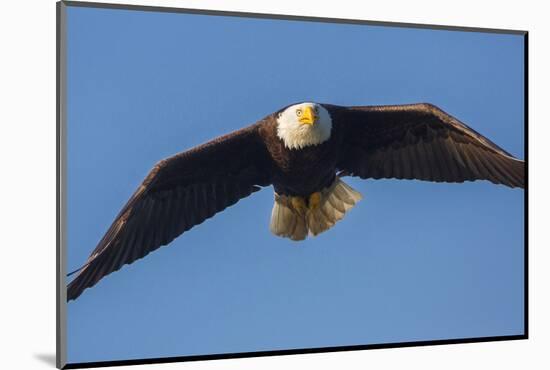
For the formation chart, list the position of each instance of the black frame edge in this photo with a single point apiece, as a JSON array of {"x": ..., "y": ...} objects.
[
  {"x": 222, "y": 356},
  {"x": 61, "y": 160},
  {"x": 526, "y": 191},
  {"x": 286, "y": 17}
]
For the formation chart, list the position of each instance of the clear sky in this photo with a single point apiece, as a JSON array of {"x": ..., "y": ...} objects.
[{"x": 412, "y": 261}]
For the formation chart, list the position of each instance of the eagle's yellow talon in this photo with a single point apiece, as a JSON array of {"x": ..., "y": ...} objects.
[
  {"x": 315, "y": 200},
  {"x": 299, "y": 204}
]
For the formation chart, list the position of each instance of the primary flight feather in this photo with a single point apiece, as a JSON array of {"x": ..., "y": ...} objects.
[{"x": 303, "y": 151}]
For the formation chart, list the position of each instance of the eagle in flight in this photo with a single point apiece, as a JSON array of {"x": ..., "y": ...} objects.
[{"x": 303, "y": 150}]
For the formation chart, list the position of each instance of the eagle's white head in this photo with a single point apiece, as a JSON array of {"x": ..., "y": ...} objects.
[{"x": 304, "y": 124}]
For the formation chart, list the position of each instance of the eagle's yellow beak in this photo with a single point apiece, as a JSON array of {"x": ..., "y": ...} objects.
[{"x": 308, "y": 116}]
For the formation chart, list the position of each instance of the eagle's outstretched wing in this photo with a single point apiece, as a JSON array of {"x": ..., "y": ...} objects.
[
  {"x": 179, "y": 193},
  {"x": 419, "y": 141}
]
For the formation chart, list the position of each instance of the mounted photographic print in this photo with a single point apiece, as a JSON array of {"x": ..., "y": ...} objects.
[{"x": 236, "y": 185}]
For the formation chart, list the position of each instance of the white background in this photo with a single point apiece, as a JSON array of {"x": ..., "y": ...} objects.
[{"x": 27, "y": 182}]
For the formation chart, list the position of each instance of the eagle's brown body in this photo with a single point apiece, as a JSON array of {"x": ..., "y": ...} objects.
[
  {"x": 417, "y": 141},
  {"x": 299, "y": 172}
]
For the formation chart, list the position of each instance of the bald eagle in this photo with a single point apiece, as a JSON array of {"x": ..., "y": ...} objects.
[{"x": 303, "y": 150}]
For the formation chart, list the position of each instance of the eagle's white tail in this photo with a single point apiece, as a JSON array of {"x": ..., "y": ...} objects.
[
  {"x": 289, "y": 222},
  {"x": 286, "y": 221}
]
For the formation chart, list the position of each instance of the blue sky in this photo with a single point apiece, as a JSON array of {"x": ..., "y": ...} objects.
[{"x": 413, "y": 261}]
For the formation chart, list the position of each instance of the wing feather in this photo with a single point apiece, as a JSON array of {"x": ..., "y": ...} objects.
[
  {"x": 419, "y": 141},
  {"x": 179, "y": 193},
  {"x": 424, "y": 158},
  {"x": 405, "y": 164}
]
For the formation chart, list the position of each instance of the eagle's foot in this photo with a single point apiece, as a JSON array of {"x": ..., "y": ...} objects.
[
  {"x": 295, "y": 217},
  {"x": 314, "y": 201},
  {"x": 299, "y": 204},
  {"x": 329, "y": 206}
]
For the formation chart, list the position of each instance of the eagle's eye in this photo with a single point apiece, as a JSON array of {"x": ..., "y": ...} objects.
[{"x": 298, "y": 112}]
